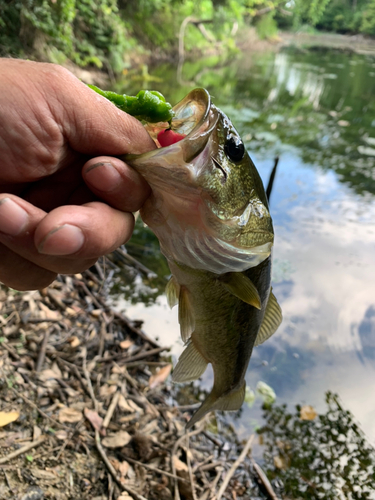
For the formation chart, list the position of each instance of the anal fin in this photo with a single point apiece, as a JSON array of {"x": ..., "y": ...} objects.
[
  {"x": 242, "y": 287},
  {"x": 271, "y": 321},
  {"x": 191, "y": 365}
]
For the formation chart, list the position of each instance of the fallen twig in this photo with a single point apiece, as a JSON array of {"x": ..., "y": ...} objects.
[
  {"x": 264, "y": 480},
  {"x": 111, "y": 409},
  {"x": 216, "y": 480},
  {"x": 155, "y": 469},
  {"x": 42, "y": 351},
  {"x": 11, "y": 351},
  {"x": 111, "y": 469},
  {"x": 24, "y": 449},
  {"x": 33, "y": 405},
  {"x": 174, "y": 454},
  {"x": 190, "y": 470},
  {"x": 130, "y": 359},
  {"x": 232, "y": 470}
]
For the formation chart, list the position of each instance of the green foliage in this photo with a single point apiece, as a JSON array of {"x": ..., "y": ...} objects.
[
  {"x": 368, "y": 19},
  {"x": 10, "y": 25},
  {"x": 309, "y": 12},
  {"x": 104, "y": 33},
  {"x": 84, "y": 31},
  {"x": 339, "y": 16},
  {"x": 266, "y": 26}
]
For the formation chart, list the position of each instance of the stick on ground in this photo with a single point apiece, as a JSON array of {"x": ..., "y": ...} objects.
[
  {"x": 24, "y": 449},
  {"x": 232, "y": 470}
]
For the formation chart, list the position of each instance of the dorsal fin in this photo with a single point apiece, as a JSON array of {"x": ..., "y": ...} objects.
[
  {"x": 185, "y": 314},
  {"x": 172, "y": 291},
  {"x": 242, "y": 287},
  {"x": 271, "y": 321},
  {"x": 191, "y": 365}
]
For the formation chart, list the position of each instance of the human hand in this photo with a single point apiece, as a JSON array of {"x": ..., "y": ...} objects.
[{"x": 52, "y": 129}]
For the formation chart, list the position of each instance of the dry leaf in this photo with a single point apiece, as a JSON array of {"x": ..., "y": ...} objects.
[
  {"x": 36, "y": 432},
  {"x": 123, "y": 468},
  {"x": 61, "y": 435},
  {"x": 56, "y": 370},
  {"x": 44, "y": 474},
  {"x": 280, "y": 462},
  {"x": 182, "y": 471},
  {"x": 47, "y": 375},
  {"x": 123, "y": 404},
  {"x": 118, "y": 440},
  {"x": 74, "y": 341},
  {"x": 47, "y": 313},
  {"x": 307, "y": 413},
  {"x": 160, "y": 377},
  {"x": 70, "y": 311},
  {"x": 125, "y": 344},
  {"x": 107, "y": 390},
  {"x": 95, "y": 420},
  {"x": 69, "y": 415},
  {"x": 179, "y": 465},
  {"x": 135, "y": 407},
  {"x": 96, "y": 313},
  {"x": 8, "y": 417}
]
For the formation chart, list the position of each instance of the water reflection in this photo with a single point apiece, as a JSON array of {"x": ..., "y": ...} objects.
[
  {"x": 318, "y": 456},
  {"x": 316, "y": 111}
]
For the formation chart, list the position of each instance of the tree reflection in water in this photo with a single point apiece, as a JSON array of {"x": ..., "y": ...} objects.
[{"x": 326, "y": 457}]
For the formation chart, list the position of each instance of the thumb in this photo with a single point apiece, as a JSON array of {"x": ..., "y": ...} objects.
[{"x": 93, "y": 125}]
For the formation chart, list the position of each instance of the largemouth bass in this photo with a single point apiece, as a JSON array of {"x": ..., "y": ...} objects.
[{"x": 209, "y": 210}]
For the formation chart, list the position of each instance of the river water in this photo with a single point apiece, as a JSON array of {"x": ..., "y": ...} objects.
[{"x": 315, "y": 109}]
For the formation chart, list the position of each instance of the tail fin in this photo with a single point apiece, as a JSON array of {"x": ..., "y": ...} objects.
[{"x": 228, "y": 402}]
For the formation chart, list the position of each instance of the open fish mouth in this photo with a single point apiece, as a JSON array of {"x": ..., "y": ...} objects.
[{"x": 195, "y": 118}]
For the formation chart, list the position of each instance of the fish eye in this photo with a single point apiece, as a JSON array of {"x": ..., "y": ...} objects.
[{"x": 234, "y": 148}]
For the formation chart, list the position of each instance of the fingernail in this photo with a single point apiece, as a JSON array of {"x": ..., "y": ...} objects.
[
  {"x": 13, "y": 218},
  {"x": 63, "y": 240},
  {"x": 103, "y": 176}
]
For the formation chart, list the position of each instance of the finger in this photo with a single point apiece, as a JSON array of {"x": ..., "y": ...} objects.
[
  {"x": 21, "y": 274},
  {"x": 67, "y": 240},
  {"x": 85, "y": 232},
  {"x": 115, "y": 182},
  {"x": 18, "y": 222}
]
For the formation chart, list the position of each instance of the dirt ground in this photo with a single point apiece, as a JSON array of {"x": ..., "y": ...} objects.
[{"x": 87, "y": 408}]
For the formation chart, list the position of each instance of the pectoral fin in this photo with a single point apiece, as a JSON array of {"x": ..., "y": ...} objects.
[
  {"x": 242, "y": 287},
  {"x": 185, "y": 314},
  {"x": 172, "y": 291},
  {"x": 191, "y": 365},
  {"x": 271, "y": 321},
  {"x": 229, "y": 402}
]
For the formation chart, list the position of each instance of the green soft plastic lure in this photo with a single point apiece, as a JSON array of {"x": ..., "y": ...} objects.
[{"x": 148, "y": 105}]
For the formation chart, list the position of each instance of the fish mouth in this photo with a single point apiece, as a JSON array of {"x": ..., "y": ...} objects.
[{"x": 195, "y": 118}]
